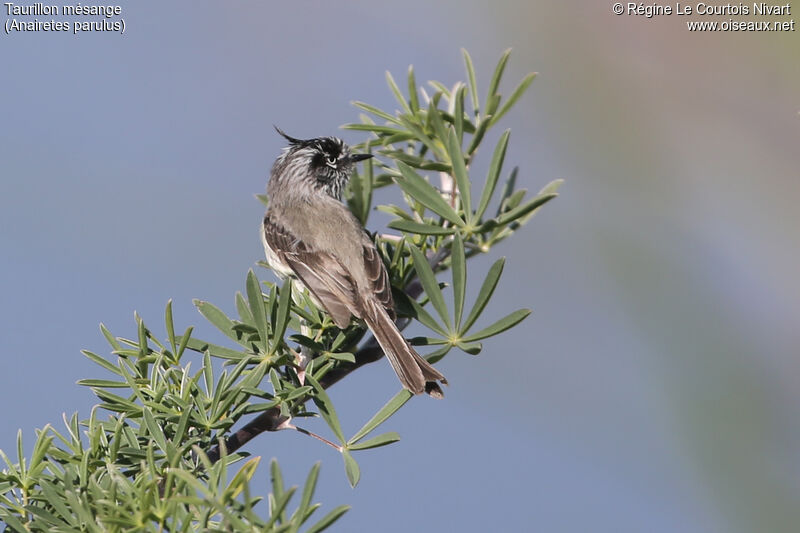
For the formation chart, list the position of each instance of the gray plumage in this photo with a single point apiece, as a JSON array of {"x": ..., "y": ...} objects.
[{"x": 310, "y": 235}]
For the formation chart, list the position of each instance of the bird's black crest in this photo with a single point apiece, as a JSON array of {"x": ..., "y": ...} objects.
[
  {"x": 328, "y": 146},
  {"x": 289, "y": 138}
]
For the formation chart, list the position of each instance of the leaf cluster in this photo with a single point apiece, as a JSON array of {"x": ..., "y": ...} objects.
[{"x": 165, "y": 455}]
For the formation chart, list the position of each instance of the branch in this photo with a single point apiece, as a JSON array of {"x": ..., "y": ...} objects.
[{"x": 369, "y": 352}]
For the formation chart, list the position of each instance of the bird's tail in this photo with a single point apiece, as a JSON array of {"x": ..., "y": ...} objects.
[{"x": 415, "y": 373}]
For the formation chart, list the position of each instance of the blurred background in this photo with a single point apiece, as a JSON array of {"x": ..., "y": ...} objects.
[{"x": 656, "y": 387}]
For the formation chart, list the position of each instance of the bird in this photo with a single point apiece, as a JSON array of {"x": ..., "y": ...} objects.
[{"x": 310, "y": 236}]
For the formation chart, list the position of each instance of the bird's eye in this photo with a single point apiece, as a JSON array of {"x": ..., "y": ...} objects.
[{"x": 331, "y": 161}]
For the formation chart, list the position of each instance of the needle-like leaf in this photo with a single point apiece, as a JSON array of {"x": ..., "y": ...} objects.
[
  {"x": 415, "y": 186},
  {"x": 219, "y": 319},
  {"x": 397, "y": 94},
  {"x": 459, "y": 172},
  {"x": 391, "y": 407},
  {"x": 430, "y": 285},
  {"x": 328, "y": 519},
  {"x": 412, "y": 91},
  {"x": 284, "y": 306},
  {"x": 459, "y": 267},
  {"x": 508, "y": 321},
  {"x": 377, "y": 112},
  {"x": 494, "y": 173},
  {"x": 473, "y": 86},
  {"x": 351, "y": 468},
  {"x": 381, "y": 440},
  {"x": 491, "y": 101},
  {"x": 326, "y": 409},
  {"x": 486, "y": 291},
  {"x": 256, "y": 305},
  {"x": 518, "y": 92},
  {"x": 418, "y": 228}
]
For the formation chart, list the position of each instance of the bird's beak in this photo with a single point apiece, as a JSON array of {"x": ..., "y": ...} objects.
[{"x": 359, "y": 157}]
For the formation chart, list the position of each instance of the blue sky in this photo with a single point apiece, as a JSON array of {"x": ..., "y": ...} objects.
[{"x": 655, "y": 385}]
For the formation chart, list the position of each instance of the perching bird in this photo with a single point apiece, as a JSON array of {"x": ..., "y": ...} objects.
[{"x": 311, "y": 236}]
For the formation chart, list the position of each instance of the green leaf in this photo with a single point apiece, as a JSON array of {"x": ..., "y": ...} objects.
[
  {"x": 509, "y": 321},
  {"x": 478, "y": 136},
  {"x": 472, "y": 348},
  {"x": 11, "y": 520},
  {"x": 458, "y": 114},
  {"x": 57, "y": 501},
  {"x": 102, "y": 362},
  {"x": 367, "y": 186},
  {"x": 435, "y": 118},
  {"x": 487, "y": 288},
  {"x": 105, "y": 383},
  {"x": 397, "y": 94},
  {"x": 494, "y": 173},
  {"x": 391, "y": 407},
  {"x": 41, "y": 447},
  {"x": 427, "y": 341},
  {"x": 513, "y": 98},
  {"x": 21, "y": 455},
  {"x": 342, "y": 356},
  {"x": 180, "y": 428},
  {"x": 170, "y": 326},
  {"x": 466, "y": 124},
  {"x": 458, "y": 264},
  {"x": 328, "y": 519},
  {"x": 297, "y": 393},
  {"x": 144, "y": 350},
  {"x": 154, "y": 429},
  {"x": 278, "y": 511},
  {"x": 241, "y": 478},
  {"x": 219, "y": 319},
  {"x": 388, "y": 140},
  {"x": 308, "y": 492},
  {"x": 377, "y": 112},
  {"x": 459, "y": 172},
  {"x": 552, "y": 187},
  {"x": 508, "y": 189},
  {"x": 351, "y": 468},
  {"x": 436, "y": 355},
  {"x": 491, "y": 102},
  {"x": 412, "y": 90},
  {"x": 418, "y": 228},
  {"x": 208, "y": 374},
  {"x": 430, "y": 285},
  {"x": 416, "y": 161},
  {"x": 420, "y": 135},
  {"x": 277, "y": 487},
  {"x": 375, "y": 128},
  {"x": 473, "y": 86},
  {"x": 375, "y": 442},
  {"x": 284, "y": 306},
  {"x": 415, "y": 186},
  {"x": 425, "y": 318},
  {"x": 326, "y": 409},
  {"x": 440, "y": 88},
  {"x": 109, "y": 337},
  {"x": 524, "y": 209},
  {"x": 221, "y": 352},
  {"x": 256, "y": 303},
  {"x": 184, "y": 340}
]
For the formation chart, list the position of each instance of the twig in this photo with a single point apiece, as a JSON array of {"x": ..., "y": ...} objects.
[
  {"x": 318, "y": 437},
  {"x": 369, "y": 352}
]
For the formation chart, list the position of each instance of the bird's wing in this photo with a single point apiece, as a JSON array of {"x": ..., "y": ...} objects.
[
  {"x": 323, "y": 274},
  {"x": 378, "y": 276}
]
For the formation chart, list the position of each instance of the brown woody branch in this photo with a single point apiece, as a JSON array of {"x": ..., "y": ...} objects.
[{"x": 369, "y": 352}]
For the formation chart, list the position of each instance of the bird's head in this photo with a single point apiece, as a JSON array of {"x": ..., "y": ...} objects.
[{"x": 323, "y": 163}]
